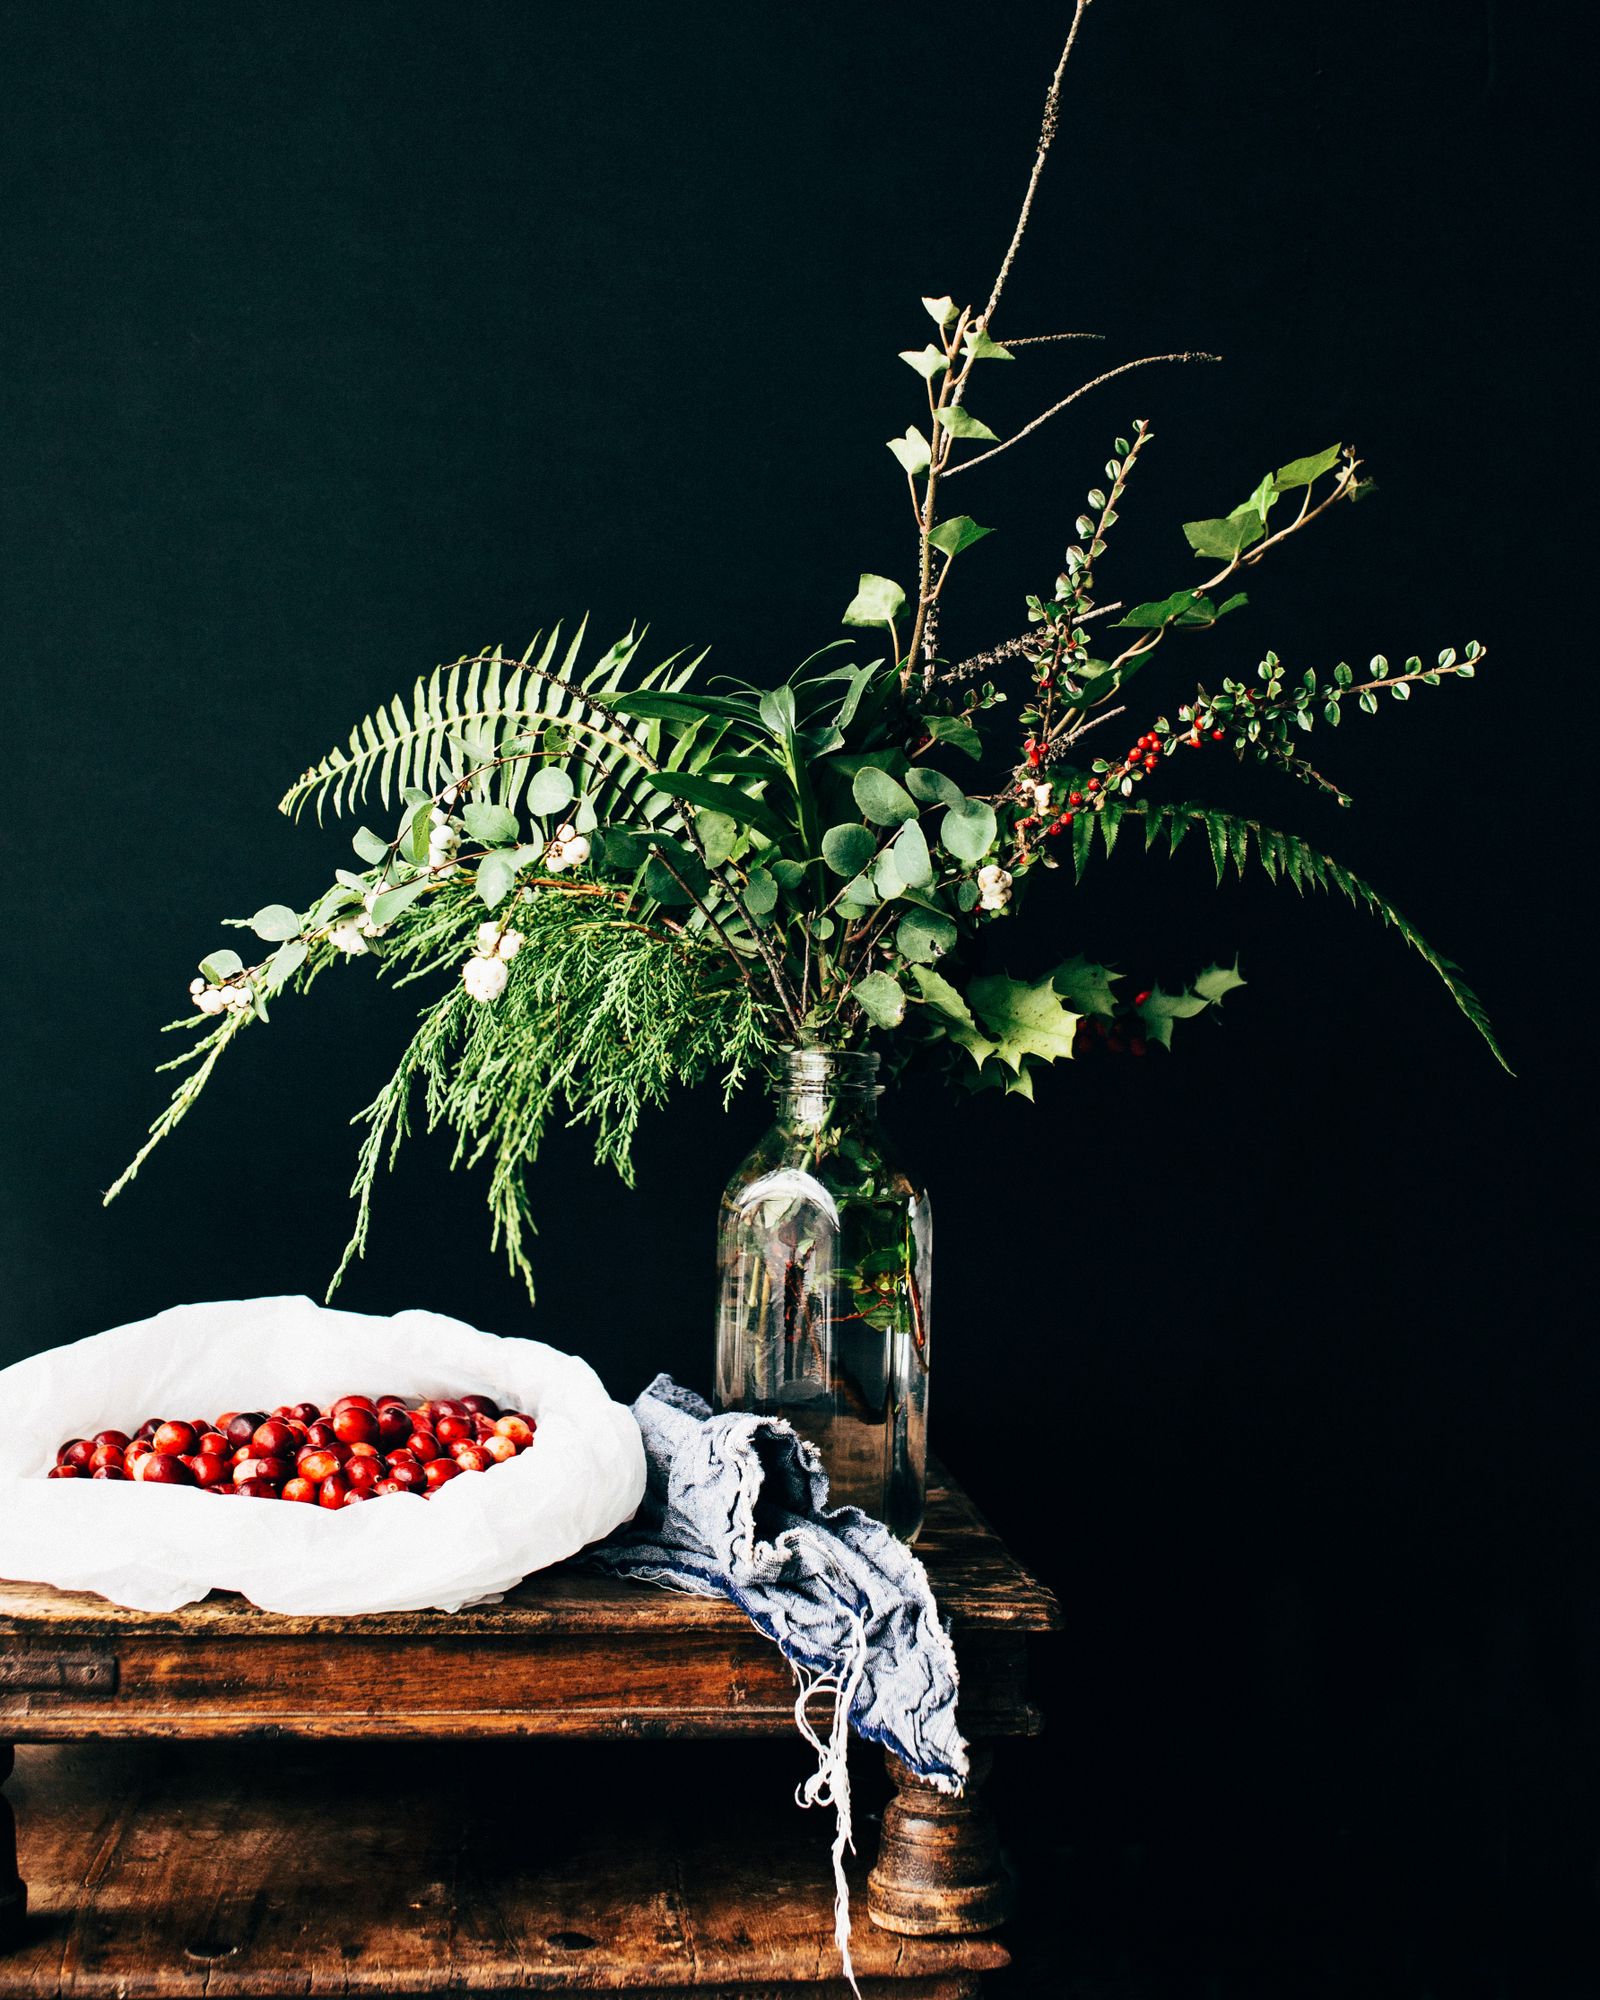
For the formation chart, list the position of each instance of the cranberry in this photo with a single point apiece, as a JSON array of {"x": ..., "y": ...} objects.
[
  {"x": 453, "y": 1430},
  {"x": 208, "y": 1468},
  {"x": 258, "y": 1489},
  {"x": 362, "y": 1473},
  {"x": 148, "y": 1429},
  {"x": 275, "y": 1470},
  {"x": 385, "y": 1487},
  {"x": 106, "y": 1454},
  {"x": 356, "y": 1495},
  {"x": 471, "y": 1459},
  {"x": 441, "y": 1470},
  {"x": 79, "y": 1453},
  {"x": 214, "y": 1444},
  {"x": 140, "y": 1448},
  {"x": 317, "y": 1463},
  {"x": 352, "y": 1403},
  {"x": 63, "y": 1472},
  {"x": 305, "y": 1413},
  {"x": 384, "y": 1402},
  {"x": 321, "y": 1434},
  {"x": 355, "y": 1423},
  {"x": 481, "y": 1406},
  {"x": 331, "y": 1493},
  {"x": 274, "y": 1438},
  {"x": 405, "y": 1476},
  {"x": 518, "y": 1428},
  {"x": 424, "y": 1446},
  {"x": 450, "y": 1407},
  {"x": 394, "y": 1425},
  {"x": 108, "y": 1472},
  {"x": 162, "y": 1468},
  {"x": 119, "y": 1438},
  {"x": 241, "y": 1429},
  {"x": 483, "y": 1427},
  {"x": 499, "y": 1448},
  {"x": 302, "y": 1490}
]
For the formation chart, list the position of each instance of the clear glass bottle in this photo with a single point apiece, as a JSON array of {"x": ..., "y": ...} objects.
[{"x": 825, "y": 1265}]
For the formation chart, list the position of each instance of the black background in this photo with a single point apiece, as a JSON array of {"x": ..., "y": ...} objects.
[{"x": 339, "y": 341}]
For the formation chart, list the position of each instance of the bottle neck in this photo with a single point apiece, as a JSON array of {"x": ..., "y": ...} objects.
[{"x": 828, "y": 1087}]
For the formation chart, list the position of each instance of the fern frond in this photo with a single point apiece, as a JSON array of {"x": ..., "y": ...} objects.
[
  {"x": 464, "y": 716},
  {"x": 1232, "y": 838}
]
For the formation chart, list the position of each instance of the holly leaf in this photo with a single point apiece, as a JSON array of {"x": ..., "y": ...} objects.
[
  {"x": 878, "y": 601},
  {"x": 913, "y": 451},
  {"x": 1086, "y": 985},
  {"x": 1217, "y": 981},
  {"x": 1025, "y": 1019},
  {"x": 952, "y": 1013},
  {"x": 1159, "y": 1010}
]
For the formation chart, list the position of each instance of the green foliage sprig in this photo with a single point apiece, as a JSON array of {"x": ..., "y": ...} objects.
[{"x": 613, "y": 880}]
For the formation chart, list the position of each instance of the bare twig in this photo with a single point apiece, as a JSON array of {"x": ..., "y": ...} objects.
[
  {"x": 1055, "y": 409},
  {"x": 1039, "y": 339},
  {"x": 1047, "y": 132}
]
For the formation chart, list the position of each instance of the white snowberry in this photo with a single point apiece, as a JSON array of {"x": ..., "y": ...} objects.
[
  {"x": 346, "y": 937},
  {"x": 210, "y": 1001},
  {"x": 484, "y": 978},
  {"x": 488, "y": 939},
  {"x": 511, "y": 944},
  {"x": 994, "y": 887},
  {"x": 197, "y": 986},
  {"x": 577, "y": 851}
]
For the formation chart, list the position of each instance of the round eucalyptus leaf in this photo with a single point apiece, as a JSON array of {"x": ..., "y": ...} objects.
[
  {"x": 848, "y": 848},
  {"x": 967, "y": 831},
  {"x": 881, "y": 799}
]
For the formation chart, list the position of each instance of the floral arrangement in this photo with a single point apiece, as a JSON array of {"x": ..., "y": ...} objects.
[{"x": 612, "y": 878}]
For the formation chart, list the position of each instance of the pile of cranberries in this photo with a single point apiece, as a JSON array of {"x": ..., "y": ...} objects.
[{"x": 360, "y": 1449}]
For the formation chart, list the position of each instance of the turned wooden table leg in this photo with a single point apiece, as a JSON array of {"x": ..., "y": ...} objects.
[
  {"x": 13, "y": 1890},
  {"x": 939, "y": 1870}
]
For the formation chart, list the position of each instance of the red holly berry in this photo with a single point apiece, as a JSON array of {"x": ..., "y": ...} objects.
[
  {"x": 1140, "y": 998},
  {"x": 1217, "y": 735},
  {"x": 1136, "y": 1047}
]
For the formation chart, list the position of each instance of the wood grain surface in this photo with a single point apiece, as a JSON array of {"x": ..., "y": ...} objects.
[{"x": 213, "y": 1871}]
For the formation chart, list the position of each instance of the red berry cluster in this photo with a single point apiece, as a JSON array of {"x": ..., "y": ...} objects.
[
  {"x": 1116, "y": 1037},
  {"x": 359, "y": 1449}
]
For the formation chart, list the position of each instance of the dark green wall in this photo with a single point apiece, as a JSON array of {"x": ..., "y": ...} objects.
[{"x": 338, "y": 340}]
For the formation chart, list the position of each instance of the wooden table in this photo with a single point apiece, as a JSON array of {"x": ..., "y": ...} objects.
[{"x": 239, "y": 1858}]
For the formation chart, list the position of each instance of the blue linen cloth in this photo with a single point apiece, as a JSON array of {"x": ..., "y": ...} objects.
[{"x": 736, "y": 1506}]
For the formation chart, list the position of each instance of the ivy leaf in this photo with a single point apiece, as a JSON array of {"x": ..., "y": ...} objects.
[
  {"x": 1025, "y": 1019},
  {"x": 549, "y": 790},
  {"x": 1183, "y": 607},
  {"x": 275, "y": 923},
  {"x": 492, "y": 824},
  {"x": 911, "y": 857},
  {"x": 967, "y": 831},
  {"x": 957, "y": 731},
  {"x": 881, "y": 998},
  {"x": 1086, "y": 985},
  {"x": 494, "y": 879},
  {"x": 221, "y": 965},
  {"x": 1302, "y": 471},
  {"x": 924, "y": 935},
  {"x": 958, "y": 533},
  {"x": 879, "y": 600},
  {"x": 1222, "y": 540},
  {"x": 959, "y": 421},
  {"x": 980, "y": 347},
  {"x": 372, "y": 847},
  {"x": 913, "y": 451},
  {"x": 848, "y": 848},
  {"x": 941, "y": 311},
  {"x": 881, "y": 800},
  {"x": 928, "y": 362}
]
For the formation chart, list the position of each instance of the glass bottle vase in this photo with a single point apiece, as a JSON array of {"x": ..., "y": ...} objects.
[{"x": 824, "y": 1263}]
